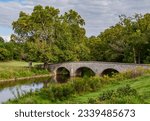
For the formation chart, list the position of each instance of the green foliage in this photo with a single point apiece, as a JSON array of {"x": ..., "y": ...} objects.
[
  {"x": 11, "y": 51},
  {"x": 122, "y": 95},
  {"x": 128, "y": 40},
  {"x": 79, "y": 85},
  {"x": 135, "y": 73},
  {"x": 4, "y": 54},
  {"x": 51, "y": 37},
  {"x": 38, "y": 51},
  {"x": 57, "y": 92},
  {"x": 62, "y": 92},
  {"x": 96, "y": 48}
]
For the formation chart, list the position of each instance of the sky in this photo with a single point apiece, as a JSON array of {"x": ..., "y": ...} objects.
[{"x": 98, "y": 14}]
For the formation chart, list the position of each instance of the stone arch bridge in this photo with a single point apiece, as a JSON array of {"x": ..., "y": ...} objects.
[{"x": 97, "y": 67}]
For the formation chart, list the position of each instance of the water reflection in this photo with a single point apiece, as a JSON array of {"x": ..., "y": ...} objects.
[
  {"x": 11, "y": 90},
  {"x": 62, "y": 78}
]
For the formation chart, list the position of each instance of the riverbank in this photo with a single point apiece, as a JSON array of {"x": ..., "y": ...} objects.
[
  {"x": 25, "y": 78},
  {"x": 19, "y": 70},
  {"x": 143, "y": 90},
  {"x": 125, "y": 88}
]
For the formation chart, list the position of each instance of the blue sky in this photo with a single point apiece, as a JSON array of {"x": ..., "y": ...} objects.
[{"x": 98, "y": 14}]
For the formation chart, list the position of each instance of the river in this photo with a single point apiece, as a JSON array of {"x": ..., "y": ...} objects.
[{"x": 11, "y": 90}]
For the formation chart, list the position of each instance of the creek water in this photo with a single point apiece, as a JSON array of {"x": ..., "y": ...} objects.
[{"x": 11, "y": 90}]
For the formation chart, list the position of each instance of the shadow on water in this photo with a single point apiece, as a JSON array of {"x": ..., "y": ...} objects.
[
  {"x": 62, "y": 78},
  {"x": 13, "y": 89}
]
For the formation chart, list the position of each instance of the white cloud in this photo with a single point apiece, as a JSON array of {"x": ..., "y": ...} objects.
[
  {"x": 98, "y": 14},
  {"x": 9, "y": 12},
  {"x": 6, "y": 38}
]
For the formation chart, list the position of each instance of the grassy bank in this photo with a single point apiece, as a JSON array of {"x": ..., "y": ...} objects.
[
  {"x": 141, "y": 84},
  {"x": 17, "y": 69},
  {"x": 90, "y": 90}
]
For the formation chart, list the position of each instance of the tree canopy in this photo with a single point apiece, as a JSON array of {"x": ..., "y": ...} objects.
[
  {"x": 47, "y": 35},
  {"x": 128, "y": 40},
  {"x": 51, "y": 36}
]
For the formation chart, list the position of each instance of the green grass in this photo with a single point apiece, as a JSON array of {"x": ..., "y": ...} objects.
[
  {"x": 141, "y": 84},
  {"x": 15, "y": 69},
  {"x": 16, "y": 64}
]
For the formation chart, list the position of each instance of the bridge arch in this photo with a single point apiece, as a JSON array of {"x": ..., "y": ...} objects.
[
  {"x": 84, "y": 71},
  {"x": 62, "y": 74},
  {"x": 109, "y": 71},
  {"x": 62, "y": 70}
]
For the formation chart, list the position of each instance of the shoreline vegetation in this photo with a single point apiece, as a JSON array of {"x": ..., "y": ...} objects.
[
  {"x": 19, "y": 70},
  {"x": 124, "y": 88}
]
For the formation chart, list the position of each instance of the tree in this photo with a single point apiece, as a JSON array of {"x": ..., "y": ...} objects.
[
  {"x": 75, "y": 23},
  {"x": 74, "y": 39},
  {"x": 128, "y": 40},
  {"x": 39, "y": 25},
  {"x": 135, "y": 35},
  {"x": 114, "y": 43},
  {"x": 61, "y": 35},
  {"x": 95, "y": 46}
]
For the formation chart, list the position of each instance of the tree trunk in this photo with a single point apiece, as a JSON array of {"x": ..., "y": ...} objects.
[
  {"x": 30, "y": 64},
  {"x": 134, "y": 55},
  {"x": 45, "y": 65},
  {"x": 139, "y": 57}
]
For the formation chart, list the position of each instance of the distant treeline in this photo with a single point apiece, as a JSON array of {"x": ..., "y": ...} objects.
[{"x": 46, "y": 35}]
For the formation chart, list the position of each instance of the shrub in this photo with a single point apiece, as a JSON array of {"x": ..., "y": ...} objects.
[
  {"x": 68, "y": 90},
  {"x": 62, "y": 91},
  {"x": 126, "y": 91},
  {"x": 134, "y": 73},
  {"x": 57, "y": 91},
  {"x": 46, "y": 93},
  {"x": 122, "y": 95},
  {"x": 106, "y": 95},
  {"x": 94, "y": 83},
  {"x": 79, "y": 85}
]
